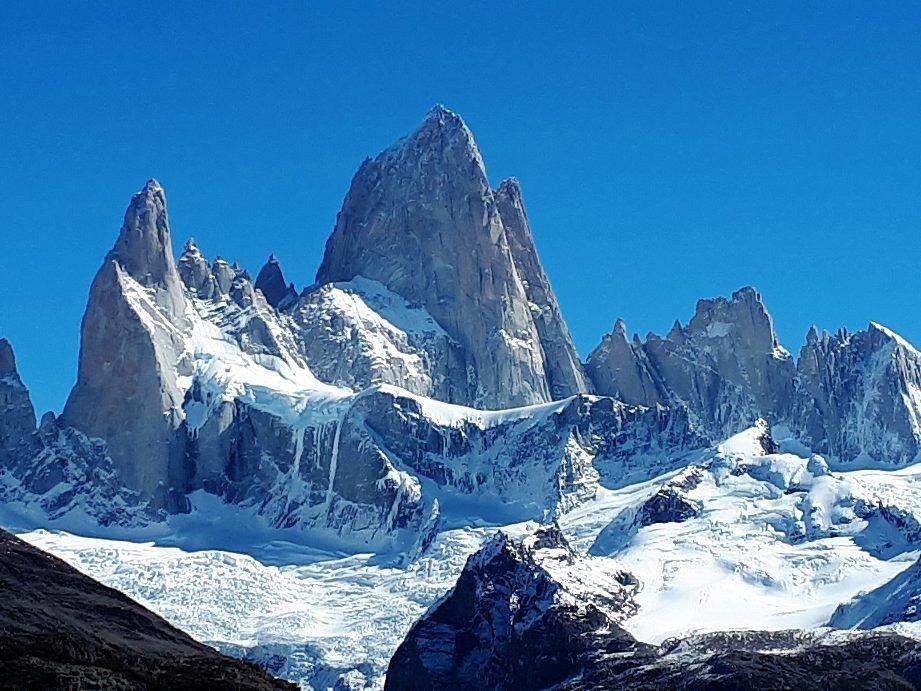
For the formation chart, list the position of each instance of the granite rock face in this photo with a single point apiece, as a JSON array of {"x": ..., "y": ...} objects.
[
  {"x": 564, "y": 371},
  {"x": 725, "y": 367},
  {"x": 128, "y": 391},
  {"x": 422, "y": 220},
  {"x": 859, "y": 396}
]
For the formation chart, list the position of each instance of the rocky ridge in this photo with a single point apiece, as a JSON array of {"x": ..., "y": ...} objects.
[
  {"x": 335, "y": 411},
  {"x": 853, "y": 397}
]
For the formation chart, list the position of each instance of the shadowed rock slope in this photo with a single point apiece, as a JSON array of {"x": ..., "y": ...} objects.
[
  {"x": 526, "y": 614},
  {"x": 61, "y": 629}
]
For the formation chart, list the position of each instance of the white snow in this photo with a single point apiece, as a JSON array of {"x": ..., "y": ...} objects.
[{"x": 778, "y": 545}]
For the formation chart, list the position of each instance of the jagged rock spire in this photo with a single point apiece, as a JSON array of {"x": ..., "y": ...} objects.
[
  {"x": 144, "y": 245},
  {"x": 127, "y": 391},
  {"x": 561, "y": 363},
  {"x": 7, "y": 358},
  {"x": 271, "y": 281},
  {"x": 17, "y": 416},
  {"x": 422, "y": 220}
]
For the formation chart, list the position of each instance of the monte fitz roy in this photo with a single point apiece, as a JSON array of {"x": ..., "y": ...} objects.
[{"x": 416, "y": 430}]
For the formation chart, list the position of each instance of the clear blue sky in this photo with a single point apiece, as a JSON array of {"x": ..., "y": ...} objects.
[{"x": 666, "y": 153}]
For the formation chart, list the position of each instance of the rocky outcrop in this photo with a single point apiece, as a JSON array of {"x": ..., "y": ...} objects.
[
  {"x": 128, "y": 391},
  {"x": 422, "y": 220},
  {"x": 725, "y": 367},
  {"x": 271, "y": 281},
  {"x": 61, "y": 629},
  {"x": 858, "y": 396},
  {"x": 17, "y": 416},
  {"x": 775, "y": 660},
  {"x": 526, "y": 614},
  {"x": 517, "y": 618}
]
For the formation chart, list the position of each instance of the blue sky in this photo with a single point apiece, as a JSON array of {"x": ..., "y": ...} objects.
[{"x": 666, "y": 152}]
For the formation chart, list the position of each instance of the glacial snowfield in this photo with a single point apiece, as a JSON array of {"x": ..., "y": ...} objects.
[{"x": 778, "y": 542}]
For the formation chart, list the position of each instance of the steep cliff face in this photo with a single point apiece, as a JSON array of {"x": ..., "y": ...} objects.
[
  {"x": 564, "y": 371},
  {"x": 859, "y": 396},
  {"x": 725, "y": 367},
  {"x": 17, "y": 416},
  {"x": 128, "y": 391},
  {"x": 422, "y": 220}
]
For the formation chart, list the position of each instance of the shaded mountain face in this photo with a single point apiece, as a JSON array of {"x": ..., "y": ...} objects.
[
  {"x": 523, "y": 615},
  {"x": 61, "y": 629},
  {"x": 422, "y": 220},
  {"x": 528, "y": 614}
]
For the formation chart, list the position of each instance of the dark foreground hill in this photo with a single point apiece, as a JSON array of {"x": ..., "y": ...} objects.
[{"x": 60, "y": 629}]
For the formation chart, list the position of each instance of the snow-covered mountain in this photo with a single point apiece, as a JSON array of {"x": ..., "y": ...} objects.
[
  {"x": 340, "y": 451},
  {"x": 854, "y": 397}
]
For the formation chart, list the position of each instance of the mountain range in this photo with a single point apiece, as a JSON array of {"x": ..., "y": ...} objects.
[{"x": 427, "y": 383}]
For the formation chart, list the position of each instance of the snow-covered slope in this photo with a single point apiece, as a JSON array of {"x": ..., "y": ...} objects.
[{"x": 744, "y": 538}]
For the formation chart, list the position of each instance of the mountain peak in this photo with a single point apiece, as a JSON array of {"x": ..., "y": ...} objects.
[
  {"x": 144, "y": 247},
  {"x": 7, "y": 359},
  {"x": 271, "y": 281},
  {"x": 443, "y": 140},
  {"x": 443, "y": 116},
  {"x": 747, "y": 294}
]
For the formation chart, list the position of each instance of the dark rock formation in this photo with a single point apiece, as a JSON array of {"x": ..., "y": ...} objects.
[
  {"x": 513, "y": 621},
  {"x": 422, "y": 220},
  {"x": 60, "y": 629},
  {"x": 668, "y": 505},
  {"x": 271, "y": 282},
  {"x": 781, "y": 660}
]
